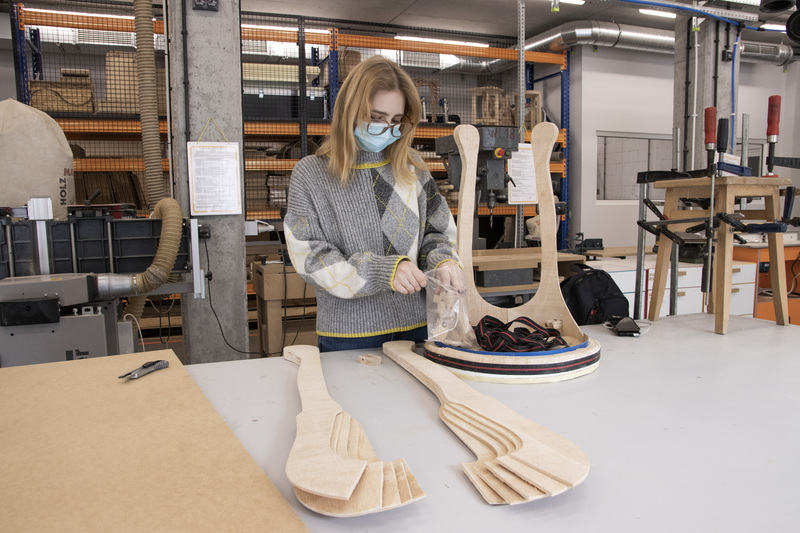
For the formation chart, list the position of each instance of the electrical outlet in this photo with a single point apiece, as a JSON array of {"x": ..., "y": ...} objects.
[
  {"x": 790, "y": 236},
  {"x": 205, "y": 5}
]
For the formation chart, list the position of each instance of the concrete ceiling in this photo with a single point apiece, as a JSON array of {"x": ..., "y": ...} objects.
[{"x": 498, "y": 17}]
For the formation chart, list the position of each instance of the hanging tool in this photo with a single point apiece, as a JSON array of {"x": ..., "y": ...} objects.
[
  {"x": 773, "y": 121},
  {"x": 722, "y": 147}
]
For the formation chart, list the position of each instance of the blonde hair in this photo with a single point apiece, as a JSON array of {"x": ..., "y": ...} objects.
[{"x": 371, "y": 76}]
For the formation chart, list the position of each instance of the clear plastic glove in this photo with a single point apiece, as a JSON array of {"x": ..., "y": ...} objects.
[
  {"x": 408, "y": 279},
  {"x": 449, "y": 274}
]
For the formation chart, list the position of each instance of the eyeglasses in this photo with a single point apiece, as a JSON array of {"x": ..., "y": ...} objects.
[{"x": 379, "y": 127}]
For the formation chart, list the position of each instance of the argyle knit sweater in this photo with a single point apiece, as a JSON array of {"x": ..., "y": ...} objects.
[{"x": 347, "y": 241}]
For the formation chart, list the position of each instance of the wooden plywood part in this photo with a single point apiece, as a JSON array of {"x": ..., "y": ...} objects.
[
  {"x": 369, "y": 359},
  {"x": 582, "y": 356},
  {"x": 332, "y": 465},
  {"x": 517, "y": 460}
]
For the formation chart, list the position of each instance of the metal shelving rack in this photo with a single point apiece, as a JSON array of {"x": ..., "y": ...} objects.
[{"x": 129, "y": 129}]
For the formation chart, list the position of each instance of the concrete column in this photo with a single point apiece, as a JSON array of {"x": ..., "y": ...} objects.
[
  {"x": 703, "y": 78},
  {"x": 211, "y": 65}
]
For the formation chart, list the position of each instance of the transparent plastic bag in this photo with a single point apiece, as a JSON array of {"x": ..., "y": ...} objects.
[{"x": 448, "y": 320}]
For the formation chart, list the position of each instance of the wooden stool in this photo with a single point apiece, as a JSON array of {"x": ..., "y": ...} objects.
[
  {"x": 491, "y": 98},
  {"x": 728, "y": 188}
]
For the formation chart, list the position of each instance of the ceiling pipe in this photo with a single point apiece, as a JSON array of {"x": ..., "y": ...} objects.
[{"x": 612, "y": 35}]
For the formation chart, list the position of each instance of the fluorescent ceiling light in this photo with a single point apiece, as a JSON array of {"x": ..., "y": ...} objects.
[
  {"x": 440, "y": 41},
  {"x": 129, "y": 17},
  {"x": 656, "y": 13},
  {"x": 281, "y": 28},
  {"x": 576, "y": 2},
  {"x": 776, "y": 27}
]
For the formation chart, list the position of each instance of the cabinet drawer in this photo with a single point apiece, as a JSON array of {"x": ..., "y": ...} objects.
[
  {"x": 742, "y": 272},
  {"x": 687, "y": 276},
  {"x": 689, "y": 301},
  {"x": 743, "y": 299},
  {"x": 625, "y": 280}
]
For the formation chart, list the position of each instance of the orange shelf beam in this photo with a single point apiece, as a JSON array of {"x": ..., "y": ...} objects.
[
  {"x": 106, "y": 23},
  {"x": 83, "y": 22}
]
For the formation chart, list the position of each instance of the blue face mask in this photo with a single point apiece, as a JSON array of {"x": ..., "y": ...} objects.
[{"x": 375, "y": 143}]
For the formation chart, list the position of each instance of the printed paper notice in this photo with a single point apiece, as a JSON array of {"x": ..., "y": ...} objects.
[
  {"x": 520, "y": 168},
  {"x": 215, "y": 186}
]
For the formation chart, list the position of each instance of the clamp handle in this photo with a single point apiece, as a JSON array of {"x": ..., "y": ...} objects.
[
  {"x": 773, "y": 115},
  {"x": 710, "y": 125}
]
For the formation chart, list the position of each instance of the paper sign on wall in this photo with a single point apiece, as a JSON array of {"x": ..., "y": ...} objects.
[
  {"x": 520, "y": 168},
  {"x": 215, "y": 185}
]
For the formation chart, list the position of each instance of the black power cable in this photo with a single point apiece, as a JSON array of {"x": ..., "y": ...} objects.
[{"x": 211, "y": 304}]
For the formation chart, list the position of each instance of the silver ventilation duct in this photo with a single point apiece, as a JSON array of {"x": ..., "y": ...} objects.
[
  {"x": 612, "y": 35},
  {"x": 608, "y": 34},
  {"x": 779, "y": 54},
  {"x": 590, "y": 32}
]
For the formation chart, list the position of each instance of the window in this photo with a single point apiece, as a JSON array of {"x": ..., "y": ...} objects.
[{"x": 621, "y": 156}]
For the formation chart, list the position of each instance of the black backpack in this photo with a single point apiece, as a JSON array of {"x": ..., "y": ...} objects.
[{"x": 592, "y": 297}]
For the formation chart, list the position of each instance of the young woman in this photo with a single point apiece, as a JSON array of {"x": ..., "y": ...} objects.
[{"x": 365, "y": 217}]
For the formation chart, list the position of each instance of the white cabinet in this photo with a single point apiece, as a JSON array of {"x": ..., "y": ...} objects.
[
  {"x": 743, "y": 288},
  {"x": 690, "y": 298}
]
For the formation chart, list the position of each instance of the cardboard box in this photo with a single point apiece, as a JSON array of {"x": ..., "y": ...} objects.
[
  {"x": 268, "y": 282},
  {"x": 347, "y": 60},
  {"x": 69, "y": 95}
]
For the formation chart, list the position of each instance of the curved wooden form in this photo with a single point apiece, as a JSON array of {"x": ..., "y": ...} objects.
[
  {"x": 517, "y": 460},
  {"x": 332, "y": 465},
  {"x": 583, "y": 354}
]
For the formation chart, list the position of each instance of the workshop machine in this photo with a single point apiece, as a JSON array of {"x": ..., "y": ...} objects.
[
  {"x": 496, "y": 146},
  {"x": 61, "y": 281}
]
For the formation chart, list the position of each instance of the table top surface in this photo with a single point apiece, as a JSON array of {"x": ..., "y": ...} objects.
[
  {"x": 720, "y": 181},
  {"x": 686, "y": 430}
]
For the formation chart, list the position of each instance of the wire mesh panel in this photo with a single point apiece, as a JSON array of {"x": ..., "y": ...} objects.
[
  {"x": 461, "y": 78},
  {"x": 82, "y": 71}
]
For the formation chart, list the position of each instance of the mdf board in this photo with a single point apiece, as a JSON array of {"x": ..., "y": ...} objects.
[
  {"x": 83, "y": 450},
  {"x": 122, "y": 86}
]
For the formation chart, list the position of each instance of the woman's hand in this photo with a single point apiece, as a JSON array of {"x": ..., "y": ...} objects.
[
  {"x": 449, "y": 273},
  {"x": 408, "y": 279}
]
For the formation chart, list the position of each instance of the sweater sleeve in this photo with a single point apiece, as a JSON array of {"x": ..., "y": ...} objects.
[
  {"x": 439, "y": 229},
  {"x": 319, "y": 262}
]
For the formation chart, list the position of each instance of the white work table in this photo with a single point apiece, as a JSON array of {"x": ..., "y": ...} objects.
[{"x": 686, "y": 430}]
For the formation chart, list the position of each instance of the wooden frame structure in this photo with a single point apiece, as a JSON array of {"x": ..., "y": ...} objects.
[{"x": 582, "y": 356}]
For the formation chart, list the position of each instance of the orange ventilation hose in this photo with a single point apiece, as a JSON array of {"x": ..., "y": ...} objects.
[
  {"x": 155, "y": 188},
  {"x": 116, "y": 285}
]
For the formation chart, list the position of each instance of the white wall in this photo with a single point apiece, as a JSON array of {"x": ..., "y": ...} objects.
[
  {"x": 630, "y": 91},
  {"x": 620, "y": 91}
]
